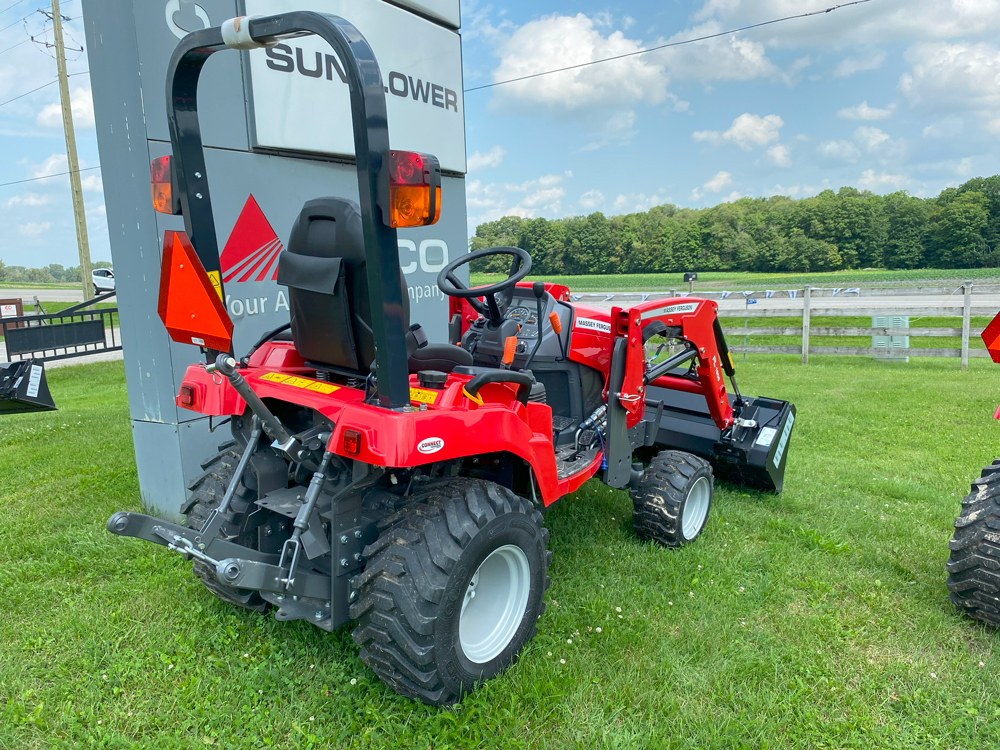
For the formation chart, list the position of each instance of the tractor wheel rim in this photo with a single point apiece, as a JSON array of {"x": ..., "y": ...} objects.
[
  {"x": 494, "y": 604},
  {"x": 696, "y": 508}
]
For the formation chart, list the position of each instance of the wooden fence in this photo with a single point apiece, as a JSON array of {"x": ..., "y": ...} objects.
[{"x": 814, "y": 301}]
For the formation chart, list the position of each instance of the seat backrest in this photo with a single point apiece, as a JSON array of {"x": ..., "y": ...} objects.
[{"x": 324, "y": 269}]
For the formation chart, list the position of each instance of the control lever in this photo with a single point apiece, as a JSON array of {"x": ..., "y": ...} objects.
[{"x": 538, "y": 289}]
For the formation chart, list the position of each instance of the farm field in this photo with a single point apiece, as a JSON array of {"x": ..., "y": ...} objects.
[
  {"x": 817, "y": 618},
  {"x": 652, "y": 282}
]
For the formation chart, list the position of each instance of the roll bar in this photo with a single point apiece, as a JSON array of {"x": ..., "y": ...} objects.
[{"x": 371, "y": 141}]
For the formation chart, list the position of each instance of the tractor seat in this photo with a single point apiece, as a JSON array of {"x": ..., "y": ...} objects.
[{"x": 324, "y": 268}]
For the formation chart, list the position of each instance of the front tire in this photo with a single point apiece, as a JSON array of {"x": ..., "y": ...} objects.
[
  {"x": 453, "y": 589},
  {"x": 671, "y": 504},
  {"x": 974, "y": 565}
]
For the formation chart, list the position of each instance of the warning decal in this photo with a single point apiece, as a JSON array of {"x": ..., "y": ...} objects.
[
  {"x": 423, "y": 396},
  {"x": 296, "y": 382}
]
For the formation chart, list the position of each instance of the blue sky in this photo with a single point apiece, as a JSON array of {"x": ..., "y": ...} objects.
[{"x": 890, "y": 95}]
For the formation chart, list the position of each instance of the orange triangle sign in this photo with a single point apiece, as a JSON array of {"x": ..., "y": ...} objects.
[
  {"x": 991, "y": 337},
  {"x": 189, "y": 304}
]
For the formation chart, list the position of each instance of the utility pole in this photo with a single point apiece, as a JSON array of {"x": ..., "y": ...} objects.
[{"x": 74, "y": 166}]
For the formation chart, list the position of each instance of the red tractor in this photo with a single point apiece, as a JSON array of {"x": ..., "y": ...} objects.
[{"x": 375, "y": 477}]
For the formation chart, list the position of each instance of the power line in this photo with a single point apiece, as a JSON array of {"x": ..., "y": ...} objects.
[
  {"x": 44, "y": 85},
  {"x": 45, "y": 177},
  {"x": 11, "y": 6},
  {"x": 670, "y": 44},
  {"x": 23, "y": 41}
]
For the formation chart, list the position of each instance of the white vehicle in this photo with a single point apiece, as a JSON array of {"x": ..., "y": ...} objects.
[{"x": 104, "y": 280}]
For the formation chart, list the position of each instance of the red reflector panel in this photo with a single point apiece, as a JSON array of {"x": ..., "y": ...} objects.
[
  {"x": 159, "y": 179},
  {"x": 189, "y": 305},
  {"x": 991, "y": 337},
  {"x": 410, "y": 189},
  {"x": 352, "y": 442},
  {"x": 187, "y": 395}
]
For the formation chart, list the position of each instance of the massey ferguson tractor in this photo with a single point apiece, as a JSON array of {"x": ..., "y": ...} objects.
[{"x": 377, "y": 478}]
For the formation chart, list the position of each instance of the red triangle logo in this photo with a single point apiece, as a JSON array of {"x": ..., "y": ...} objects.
[{"x": 251, "y": 252}]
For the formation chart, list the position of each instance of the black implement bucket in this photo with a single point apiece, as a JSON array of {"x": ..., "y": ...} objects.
[
  {"x": 752, "y": 456},
  {"x": 23, "y": 388}
]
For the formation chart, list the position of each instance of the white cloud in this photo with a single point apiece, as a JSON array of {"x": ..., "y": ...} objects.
[
  {"x": 716, "y": 184},
  {"x": 28, "y": 199},
  {"x": 92, "y": 183},
  {"x": 560, "y": 41},
  {"x": 720, "y": 181},
  {"x": 864, "y": 112},
  {"x": 851, "y": 65},
  {"x": 746, "y": 131},
  {"x": 881, "y": 182},
  {"x": 728, "y": 58},
  {"x": 797, "y": 191},
  {"x": 947, "y": 127},
  {"x": 780, "y": 156},
  {"x": 732, "y": 197},
  {"x": 838, "y": 151},
  {"x": 627, "y": 22},
  {"x": 526, "y": 199},
  {"x": 82, "y": 105},
  {"x": 591, "y": 200},
  {"x": 491, "y": 158},
  {"x": 636, "y": 202},
  {"x": 33, "y": 229},
  {"x": 949, "y": 77},
  {"x": 865, "y": 139},
  {"x": 55, "y": 164},
  {"x": 866, "y": 24}
]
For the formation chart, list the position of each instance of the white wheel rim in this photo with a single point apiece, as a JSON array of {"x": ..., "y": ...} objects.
[
  {"x": 696, "y": 508},
  {"x": 494, "y": 604}
]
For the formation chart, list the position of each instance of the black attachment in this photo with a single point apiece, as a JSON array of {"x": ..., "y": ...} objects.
[
  {"x": 502, "y": 376},
  {"x": 23, "y": 388},
  {"x": 689, "y": 353},
  {"x": 618, "y": 448},
  {"x": 432, "y": 379}
]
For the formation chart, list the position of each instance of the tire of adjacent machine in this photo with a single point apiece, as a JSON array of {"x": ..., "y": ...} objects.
[
  {"x": 974, "y": 565},
  {"x": 421, "y": 627},
  {"x": 671, "y": 504},
  {"x": 209, "y": 489}
]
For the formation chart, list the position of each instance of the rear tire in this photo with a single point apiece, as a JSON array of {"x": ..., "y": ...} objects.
[
  {"x": 419, "y": 629},
  {"x": 974, "y": 565},
  {"x": 209, "y": 489},
  {"x": 671, "y": 504}
]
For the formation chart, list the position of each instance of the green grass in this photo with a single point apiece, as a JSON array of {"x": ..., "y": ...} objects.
[
  {"x": 817, "y": 618},
  {"x": 651, "y": 282}
]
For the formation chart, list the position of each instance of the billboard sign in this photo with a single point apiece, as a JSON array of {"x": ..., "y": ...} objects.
[{"x": 299, "y": 91}]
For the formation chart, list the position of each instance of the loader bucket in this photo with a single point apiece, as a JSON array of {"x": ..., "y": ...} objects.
[
  {"x": 23, "y": 388},
  {"x": 753, "y": 456}
]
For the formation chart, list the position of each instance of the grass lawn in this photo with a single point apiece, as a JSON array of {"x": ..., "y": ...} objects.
[
  {"x": 816, "y": 619},
  {"x": 740, "y": 280}
]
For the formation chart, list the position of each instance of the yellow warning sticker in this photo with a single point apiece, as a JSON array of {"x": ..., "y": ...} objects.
[
  {"x": 423, "y": 396},
  {"x": 296, "y": 382},
  {"x": 213, "y": 276}
]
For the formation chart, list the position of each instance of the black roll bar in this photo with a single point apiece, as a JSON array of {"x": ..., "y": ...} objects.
[{"x": 371, "y": 141}]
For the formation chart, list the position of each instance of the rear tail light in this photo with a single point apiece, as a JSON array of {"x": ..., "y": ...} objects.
[
  {"x": 161, "y": 184},
  {"x": 187, "y": 395},
  {"x": 409, "y": 189},
  {"x": 352, "y": 442}
]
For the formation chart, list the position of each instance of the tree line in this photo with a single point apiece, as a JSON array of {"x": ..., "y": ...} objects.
[
  {"x": 850, "y": 228},
  {"x": 50, "y": 274}
]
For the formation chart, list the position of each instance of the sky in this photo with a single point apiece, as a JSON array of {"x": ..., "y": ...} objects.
[{"x": 884, "y": 96}]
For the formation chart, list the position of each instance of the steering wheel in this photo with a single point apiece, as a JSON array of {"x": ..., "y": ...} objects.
[{"x": 498, "y": 296}]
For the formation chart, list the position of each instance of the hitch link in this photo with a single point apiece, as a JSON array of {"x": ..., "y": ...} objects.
[
  {"x": 217, "y": 516},
  {"x": 293, "y": 546},
  {"x": 186, "y": 547},
  {"x": 274, "y": 429}
]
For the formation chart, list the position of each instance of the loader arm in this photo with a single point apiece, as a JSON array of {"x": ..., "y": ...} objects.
[{"x": 696, "y": 322}]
